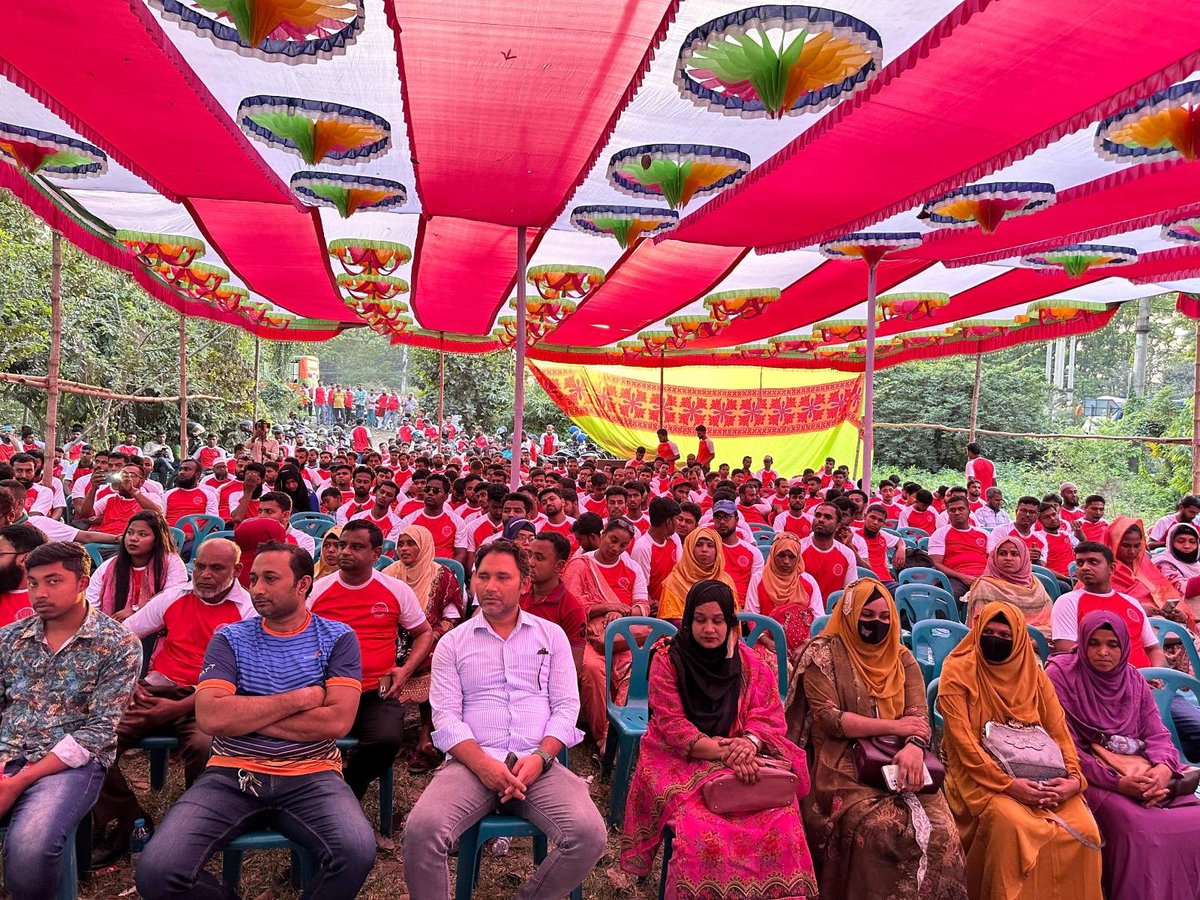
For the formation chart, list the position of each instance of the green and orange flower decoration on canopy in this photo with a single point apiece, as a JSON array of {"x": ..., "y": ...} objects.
[
  {"x": 37, "y": 152},
  {"x": 625, "y": 223},
  {"x": 689, "y": 328},
  {"x": 564, "y": 281},
  {"x": 773, "y": 61},
  {"x": 841, "y": 330},
  {"x": 348, "y": 193},
  {"x": 1078, "y": 259},
  {"x": 987, "y": 205},
  {"x": 272, "y": 30},
  {"x": 1060, "y": 311},
  {"x": 546, "y": 312},
  {"x": 162, "y": 249},
  {"x": 372, "y": 287},
  {"x": 676, "y": 172},
  {"x": 870, "y": 246},
  {"x": 1165, "y": 125},
  {"x": 360, "y": 256},
  {"x": 745, "y": 303},
  {"x": 316, "y": 131},
  {"x": 910, "y": 305}
]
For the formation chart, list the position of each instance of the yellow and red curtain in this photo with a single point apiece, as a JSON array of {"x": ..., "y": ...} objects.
[{"x": 798, "y": 417}]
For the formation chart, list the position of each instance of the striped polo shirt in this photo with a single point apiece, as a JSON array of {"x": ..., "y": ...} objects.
[{"x": 251, "y": 660}]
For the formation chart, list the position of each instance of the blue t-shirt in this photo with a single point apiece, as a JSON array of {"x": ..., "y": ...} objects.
[{"x": 249, "y": 659}]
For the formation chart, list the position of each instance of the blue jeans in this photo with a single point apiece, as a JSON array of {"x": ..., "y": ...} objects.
[
  {"x": 38, "y": 826},
  {"x": 1187, "y": 722},
  {"x": 318, "y": 812}
]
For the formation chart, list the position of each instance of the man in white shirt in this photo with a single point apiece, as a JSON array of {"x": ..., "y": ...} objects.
[
  {"x": 505, "y": 702},
  {"x": 1185, "y": 512},
  {"x": 992, "y": 514}
]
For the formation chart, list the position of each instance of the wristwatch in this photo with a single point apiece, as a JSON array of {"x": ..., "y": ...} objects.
[{"x": 547, "y": 760}]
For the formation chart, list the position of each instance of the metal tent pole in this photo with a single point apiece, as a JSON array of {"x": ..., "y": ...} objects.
[
  {"x": 975, "y": 398},
  {"x": 662, "y": 390},
  {"x": 869, "y": 399},
  {"x": 441, "y": 388},
  {"x": 55, "y": 355},
  {"x": 183, "y": 400},
  {"x": 518, "y": 434},
  {"x": 257, "y": 342}
]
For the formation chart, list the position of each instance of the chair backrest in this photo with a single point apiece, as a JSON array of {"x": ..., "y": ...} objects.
[
  {"x": 227, "y": 534},
  {"x": 818, "y": 626},
  {"x": 1172, "y": 681},
  {"x": 311, "y": 516},
  {"x": 923, "y": 575},
  {"x": 639, "y": 674},
  {"x": 760, "y": 625},
  {"x": 383, "y": 562},
  {"x": 909, "y": 532},
  {"x": 932, "y": 641},
  {"x": 1040, "y": 643},
  {"x": 935, "y": 717},
  {"x": 179, "y": 536},
  {"x": 918, "y": 601},
  {"x": 314, "y": 528},
  {"x": 864, "y": 572},
  {"x": 199, "y": 526},
  {"x": 1050, "y": 583},
  {"x": 833, "y": 599},
  {"x": 1043, "y": 570},
  {"x": 93, "y": 551},
  {"x": 759, "y": 526},
  {"x": 1163, "y": 628},
  {"x": 923, "y": 544},
  {"x": 454, "y": 566},
  {"x": 389, "y": 548}
]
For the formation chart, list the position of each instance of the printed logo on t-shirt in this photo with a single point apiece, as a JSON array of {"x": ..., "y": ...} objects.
[
  {"x": 625, "y": 583},
  {"x": 839, "y": 569},
  {"x": 981, "y": 542},
  {"x": 379, "y": 610}
]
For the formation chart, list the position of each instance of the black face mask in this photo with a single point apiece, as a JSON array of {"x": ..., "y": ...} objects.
[
  {"x": 995, "y": 649},
  {"x": 874, "y": 631}
]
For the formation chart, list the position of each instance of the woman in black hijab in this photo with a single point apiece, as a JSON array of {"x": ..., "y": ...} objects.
[
  {"x": 291, "y": 482},
  {"x": 708, "y": 668}
]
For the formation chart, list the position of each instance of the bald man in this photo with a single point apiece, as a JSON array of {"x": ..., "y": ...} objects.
[{"x": 164, "y": 701}]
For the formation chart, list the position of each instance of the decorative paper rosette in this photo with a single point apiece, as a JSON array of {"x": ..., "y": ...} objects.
[
  {"x": 507, "y": 332},
  {"x": 1056, "y": 312},
  {"x": 555, "y": 281},
  {"x": 372, "y": 287},
  {"x": 550, "y": 312},
  {"x": 43, "y": 152},
  {"x": 980, "y": 329},
  {"x": 746, "y": 303},
  {"x": 841, "y": 330},
  {"x": 915, "y": 340},
  {"x": 348, "y": 193},
  {"x": 858, "y": 350},
  {"x": 773, "y": 61},
  {"x": 870, "y": 246},
  {"x": 1165, "y": 125},
  {"x": 360, "y": 256},
  {"x": 1076, "y": 259},
  {"x": 625, "y": 223},
  {"x": 315, "y": 130},
  {"x": 162, "y": 249},
  {"x": 273, "y": 30},
  {"x": 676, "y": 172},
  {"x": 631, "y": 351},
  {"x": 1185, "y": 231},
  {"x": 910, "y": 305},
  {"x": 228, "y": 297},
  {"x": 657, "y": 341},
  {"x": 391, "y": 327},
  {"x": 198, "y": 281},
  {"x": 987, "y": 205},
  {"x": 752, "y": 351},
  {"x": 687, "y": 328},
  {"x": 792, "y": 343}
]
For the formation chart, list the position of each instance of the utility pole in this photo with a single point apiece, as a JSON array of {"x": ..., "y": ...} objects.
[{"x": 1141, "y": 332}]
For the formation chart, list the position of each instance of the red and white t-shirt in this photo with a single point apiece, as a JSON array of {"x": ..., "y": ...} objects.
[
  {"x": 376, "y": 609},
  {"x": 235, "y": 497},
  {"x": 197, "y": 501},
  {"x": 911, "y": 517},
  {"x": 448, "y": 530},
  {"x": 563, "y": 528},
  {"x": 206, "y": 456},
  {"x": 1070, "y": 608},
  {"x": 190, "y": 624},
  {"x": 115, "y": 512},
  {"x": 1060, "y": 551},
  {"x": 800, "y": 526},
  {"x": 14, "y": 605},
  {"x": 625, "y": 578},
  {"x": 983, "y": 471},
  {"x": 599, "y": 507},
  {"x": 743, "y": 560},
  {"x": 874, "y": 551},
  {"x": 752, "y": 514},
  {"x": 642, "y": 523},
  {"x": 389, "y": 524},
  {"x": 656, "y": 561},
  {"x": 224, "y": 492},
  {"x": 479, "y": 530},
  {"x": 1034, "y": 539},
  {"x": 834, "y": 569},
  {"x": 351, "y": 509},
  {"x": 1070, "y": 515},
  {"x": 1094, "y": 531},
  {"x": 962, "y": 549}
]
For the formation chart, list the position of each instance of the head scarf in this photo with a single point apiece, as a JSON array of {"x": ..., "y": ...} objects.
[
  {"x": 1100, "y": 703},
  {"x": 784, "y": 589},
  {"x": 422, "y": 575},
  {"x": 513, "y": 528},
  {"x": 321, "y": 568},
  {"x": 1024, "y": 574},
  {"x": 879, "y": 667},
  {"x": 1187, "y": 566},
  {"x": 249, "y": 535},
  {"x": 687, "y": 571},
  {"x": 1142, "y": 581},
  {"x": 709, "y": 680},
  {"x": 1022, "y": 590},
  {"x": 301, "y": 500},
  {"x": 998, "y": 691}
]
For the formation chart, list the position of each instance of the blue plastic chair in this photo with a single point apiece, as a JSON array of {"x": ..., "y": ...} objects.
[
  {"x": 760, "y": 625},
  {"x": 454, "y": 566},
  {"x": 93, "y": 552},
  {"x": 833, "y": 599},
  {"x": 315, "y": 528},
  {"x": 935, "y": 718},
  {"x": 1050, "y": 583},
  {"x": 627, "y": 724},
  {"x": 472, "y": 841},
  {"x": 919, "y": 601},
  {"x": 1040, "y": 644},
  {"x": 1164, "y": 628},
  {"x": 864, "y": 572},
  {"x": 309, "y": 514},
  {"x": 908, "y": 532},
  {"x": 932, "y": 641},
  {"x": 389, "y": 548},
  {"x": 924, "y": 575},
  {"x": 227, "y": 534},
  {"x": 818, "y": 626},
  {"x": 756, "y": 527},
  {"x": 68, "y": 887},
  {"x": 1173, "y": 681},
  {"x": 304, "y": 865},
  {"x": 159, "y": 748},
  {"x": 201, "y": 525},
  {"x": 1071, "y": 571},
  {"x": 383, "y": 562},
  {"x": 387, "y": 791},
  {"x": 178, "y": 536}
]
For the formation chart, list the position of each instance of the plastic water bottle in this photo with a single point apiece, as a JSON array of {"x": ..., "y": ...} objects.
[{"x": 138, "y": 840}]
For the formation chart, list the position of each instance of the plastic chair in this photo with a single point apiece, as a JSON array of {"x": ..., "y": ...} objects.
[
  {"x": 833, "y": 599},
  {"x": 383, "y": 562},
  {"x": 1040, "y": 644},
  {"x": 920, "y": 601},
  {"x": 179, "y": 537},
  {"x": 389, "y": 548},
  {"x": 1172, "y": 682},
  {"x": 93, "y": 551},
  {"x": 303, "y": 863},
  {"x": 68, "y": 887},
  {"x": 472, "y": 841},
  {"x": 765, "y": 550},
  {"x": 1071, "y": 571},
  {"x": 864, "y": 572},
  {"x": 1164, "y": 628},
  {"x": 756, "y": 527},
  {"x": 932, "y": 641},
  {"x": 454, "y": 566},
  {"x": 159, "y": 749},
  {"x": 201, "y": 526},
  {"x": 924, "y": 575},
  {"x": 627, "y": 724},
  {"x": 760, "y": 625},
  {"x": 935, "y": 718},
  {"x": 818, "y": 626},
  {"x": 315, "y": 528},
  {"x": 387, "y": 791},
  {"x": 309, "y": 514},
  {"x": 909, "y": 532},
  {"x": 1050, "y": 583},
  {"x": 227, "y": 534},
  {"x": 923, "y": 544}
]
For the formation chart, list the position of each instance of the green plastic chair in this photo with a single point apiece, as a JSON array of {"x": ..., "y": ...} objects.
[
  {"x": 918, "y": 601},
  {"x": 760, "y": 625},
  {"x": 308, "y": 515},
  {"x": 93, "y": 551},
  {"x": 454, "y": 566},
  {"x": 227, "y": 534},
  {"x": 1173, "y": 681},
  {"x": 1040, "y": 644},
  {"x": 314, "y": 528},
  {"x": 69, "y": 884},
  {"x": 864, "y": 572},
  {"x": 935, "y": 718},
  {"x": 833, "y": 599},
  {"x": 932, "y": 641},
  {"x": 1050, "y": 583},
  {"x": 925, "y": 575},
  {"x": 759, "y": 526},
  {"x": 383, "y": 562},
  {"x": 915, "y": 534},
  {"x": 818, "y": 626},
  {"x": 1164, "y": 628},
  {"x": 178, "y": 536},
  {"x": 200, "y": 526},
  {"x": 627, "y": 724}
]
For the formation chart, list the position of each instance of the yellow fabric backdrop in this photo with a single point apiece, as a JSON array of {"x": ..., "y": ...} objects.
[{"x": 797, "y": 416}]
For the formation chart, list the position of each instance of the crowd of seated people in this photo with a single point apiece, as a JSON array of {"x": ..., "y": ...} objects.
[{"x": 259, "y": 611}]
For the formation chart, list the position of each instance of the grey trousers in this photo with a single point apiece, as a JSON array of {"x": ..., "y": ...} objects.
[{"x": 558, "y": 803}]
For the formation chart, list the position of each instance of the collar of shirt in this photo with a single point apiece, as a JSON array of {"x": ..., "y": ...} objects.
[
  {"x": 33, "y": 629},
  {"x": 480, "y": 622}
]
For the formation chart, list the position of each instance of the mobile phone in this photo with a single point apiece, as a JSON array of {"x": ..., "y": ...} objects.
[
  {"x": 511, "y": 761},
  {"x": 385, "y": 684},
  {"x": 115, "y": 477},
  {"x": 1170, "y": 604},
  {"x": 891, "y": 777}
]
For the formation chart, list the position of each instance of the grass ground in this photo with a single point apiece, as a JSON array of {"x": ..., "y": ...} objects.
[{"x": 265, "y": 874}]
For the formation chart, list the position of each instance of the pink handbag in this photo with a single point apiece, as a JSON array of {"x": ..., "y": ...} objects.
[{"x": 776, "y": 787}]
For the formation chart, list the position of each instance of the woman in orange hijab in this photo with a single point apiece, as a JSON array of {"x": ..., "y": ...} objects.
[
  {"x": 1024, "y": 839},
  {"x": 701, "y": 559},
  {"x": 1134, "y": 574}
]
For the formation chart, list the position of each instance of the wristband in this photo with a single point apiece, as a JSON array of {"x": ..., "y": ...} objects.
[{"x": 916, "y": 740}]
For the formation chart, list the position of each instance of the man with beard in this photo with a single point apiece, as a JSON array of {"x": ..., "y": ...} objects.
[
  {"x": 185, "y": 616},
  {"x": 793, "y": 520},
  {"x": 360, "y": 493},
  {"x": 114, "y": 510},
  {"x": 188, "y": 498},
  {"x": 658, "y": 549},
  {"x": 243, "y": 504},
  {"x": 16, "y": 543},
  {"x": 553, "y": 508},
  {"x": 99, "y": 463},
  {"x": 958, "y": 549},
  {"x": 873, "y": 543},
  {"x": 743, "y": 560},
  {"x": 39, "y": 498},
  {"x": 829, "y": 561},
  {"x": 447, "y": 529},
  {"x": 380, "y": 513},
  {"x": 1071, "y": 509}
]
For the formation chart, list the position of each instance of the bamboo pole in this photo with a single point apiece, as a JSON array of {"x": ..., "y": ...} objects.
[
  {"x": 868, "y": 429},
  {"x": 662, "y": 386},
  {"x": 183, "y": 397},
  {"x": 1135, "y": 438},
  {"x": 257, "y": 344},
  {"x": 55, "y": 356},
  {"x": 518, "y": 435},
  {"x": 1196, "y": 418},
  {"x": 975, "y": 397},
  {"x": 90, "y": 390}
]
